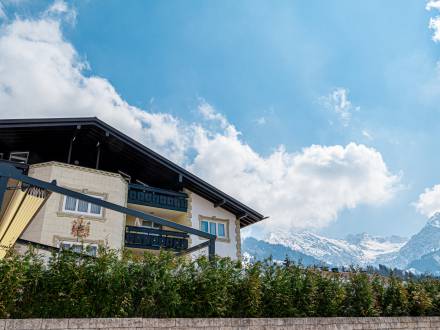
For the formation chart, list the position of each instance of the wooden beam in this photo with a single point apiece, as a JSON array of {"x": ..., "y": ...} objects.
[{"x": 220, "y": 203}]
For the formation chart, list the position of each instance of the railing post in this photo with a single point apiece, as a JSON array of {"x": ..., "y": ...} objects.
[
  {"x": 3, "y": 187},
  {"x": 211, "y": 249}
]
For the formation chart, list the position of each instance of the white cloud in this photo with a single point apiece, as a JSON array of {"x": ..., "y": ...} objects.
[
  {"x": 306, "y": 189},
  {"x": 41, "y": 75},
  {"x": 60, "y": 9},
  {"x": 261, "y": 121},
  {"x": 337, "y": 102},
  {"x": 367, "y": 134},
  {"x": 429, "y": 201},
  {"x": 434, "y": 22},
  {"x": 433, "y": 4}
]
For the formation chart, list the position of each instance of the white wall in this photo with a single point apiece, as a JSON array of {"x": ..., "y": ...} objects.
[{"x": 201, "y": 207}]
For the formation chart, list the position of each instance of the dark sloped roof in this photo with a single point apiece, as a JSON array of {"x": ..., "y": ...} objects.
[{"x": 52, "y": 136}]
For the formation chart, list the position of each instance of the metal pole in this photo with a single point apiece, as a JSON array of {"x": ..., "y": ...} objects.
[
  {"x": 69, "y": 156},
  {"x": 3, "y": 187},
  {"x": 211, "y": 249},
  {"x": 98, "y": 146}
]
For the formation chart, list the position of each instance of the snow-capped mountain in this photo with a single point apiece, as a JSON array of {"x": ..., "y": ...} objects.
[
  {"x": 361, "y": 249},
  {"x": 425, "y": 242},
  {"x": 420, "y": 254},
  {"x": 260, "y": 250}
]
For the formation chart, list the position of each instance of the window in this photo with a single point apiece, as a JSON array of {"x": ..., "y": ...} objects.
[
  {"x": 78, "y": 247},
  {"x": 73, "y": 205},
  {"x": 19, "y": 156},
  {"x": 150, "y": 224},
  {"x": 214, "y": 227}
]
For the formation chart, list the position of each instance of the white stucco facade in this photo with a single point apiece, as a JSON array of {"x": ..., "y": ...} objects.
[
  {"x": 53, "y": 225},
  {"x": 202, "y": 209}
]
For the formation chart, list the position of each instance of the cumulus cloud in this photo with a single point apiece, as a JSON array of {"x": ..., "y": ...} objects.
[
  {"x": 433, "y": 4},
  {"x": 60, "y": 9},
  {"x": 41, "y": 75},
  {"x": 337, "y": 102},
  {"x": 429, "y": 201},
  {"x": 305, "y": 189},
  {"x": 434, "y": 22}
]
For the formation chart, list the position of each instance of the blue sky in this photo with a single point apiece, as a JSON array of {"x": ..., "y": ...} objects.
[{"x": 270, "y": 68}]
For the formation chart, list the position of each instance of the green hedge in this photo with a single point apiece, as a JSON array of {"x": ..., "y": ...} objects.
[{"x": 70, "y": 285}]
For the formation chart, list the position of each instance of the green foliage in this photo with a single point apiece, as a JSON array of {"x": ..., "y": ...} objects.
[
  {"x": 111, "y": 285},
  {"x": 359, "y": 296},
  {"x": 395, "y": 301}
]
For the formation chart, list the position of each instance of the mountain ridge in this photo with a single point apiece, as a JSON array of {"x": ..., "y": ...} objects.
[{"x": 420, "y": 253}]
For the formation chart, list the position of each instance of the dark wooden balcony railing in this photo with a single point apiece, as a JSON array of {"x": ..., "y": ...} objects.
[
  {"x": 155, "y": 239},
  {"x": 166, "y": 199},
  {"x": 19, "y": 166}
]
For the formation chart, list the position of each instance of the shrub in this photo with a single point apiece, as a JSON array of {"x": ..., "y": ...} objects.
[{"x": 111, "y": 285}]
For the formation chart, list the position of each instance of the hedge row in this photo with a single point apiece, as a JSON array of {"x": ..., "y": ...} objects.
[{"x": 69, "y": 285}]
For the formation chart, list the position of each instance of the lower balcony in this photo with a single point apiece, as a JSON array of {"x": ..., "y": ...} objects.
[{"x": 155, "y": 239}]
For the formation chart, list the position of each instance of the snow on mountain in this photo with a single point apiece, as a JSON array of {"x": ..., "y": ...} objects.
[
  {"x": 254, "y": 249},
  {"x": 361, "y": 249},
  {"x": 375, "y": 246},
  {"x": 421, "y": 253},
  {"x": 328, "y": 250},
  {"x": 425, "y": 242}
]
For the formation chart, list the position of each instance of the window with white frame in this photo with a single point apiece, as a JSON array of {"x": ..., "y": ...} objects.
[
  {"x": 214, "y": 227},
  {"x": 73, "y": 205},
  {"x": 78, "y": 247},
  {"x": 150, "y": 224}
]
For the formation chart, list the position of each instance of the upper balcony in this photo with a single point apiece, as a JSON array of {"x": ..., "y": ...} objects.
[{"x": 155, "y": 197}]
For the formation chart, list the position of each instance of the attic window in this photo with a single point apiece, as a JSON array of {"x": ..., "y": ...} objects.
[{"x": 19, "y": 156}]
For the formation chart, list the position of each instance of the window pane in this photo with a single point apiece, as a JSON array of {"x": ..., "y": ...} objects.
[
  {"x": 77, "y": 248},
  {"x": 65, "y": 246},
  {"x": 83, "y": 206},
  {"x": 212, "y": 228},
  {"x": 91, "y": 250},
  {"x": 204, "y": 226},
  {"x": 95, "y": 209},
  {"x": 70, "y": 204},
  {"x": 147, "y": 223},
  {"x": 221, "y": 230}
]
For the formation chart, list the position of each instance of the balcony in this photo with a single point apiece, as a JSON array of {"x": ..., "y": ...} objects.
[
  {"x": 155, "y": 197},
  {"x": 155, "y": 239}
]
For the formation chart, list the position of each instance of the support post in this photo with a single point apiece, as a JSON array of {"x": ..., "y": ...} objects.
[
  {"x": 69, "y": 155},
  {"x": 211, "y": 249},
  {"x": 3, "y": 187},
  {"x": 98, "y": 155}
]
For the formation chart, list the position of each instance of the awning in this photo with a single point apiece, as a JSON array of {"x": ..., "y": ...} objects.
[{"x": 18, "y": 212}]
